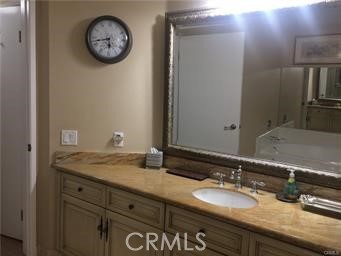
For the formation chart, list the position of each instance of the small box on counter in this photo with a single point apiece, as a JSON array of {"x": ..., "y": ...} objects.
[{"x": 154, "y": 160}]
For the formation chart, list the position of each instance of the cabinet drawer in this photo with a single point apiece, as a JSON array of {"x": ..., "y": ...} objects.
[
  {"x": 319, "y": 112},
  {"x": 137, "y": 207},
  {"x": 264, "y": 246},
  {"x": 219, "y": 236},
  {"x": 83, "y": 189}
]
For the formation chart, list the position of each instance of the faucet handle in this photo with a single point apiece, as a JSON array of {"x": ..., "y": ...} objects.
[
  {"x": 232, "y": 175},
  {"x": 220, "y": 176},
  {"x": 254, "y": 185},
  {"x": 238, "y": 172}
]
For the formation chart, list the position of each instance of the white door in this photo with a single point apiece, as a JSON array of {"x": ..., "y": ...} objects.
[
  {"x": 13, "y": 122},
  {"x": 210, "y": 72}
]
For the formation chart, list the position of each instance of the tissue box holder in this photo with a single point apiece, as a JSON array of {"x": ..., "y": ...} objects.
[{"x": 154, "y": 160}]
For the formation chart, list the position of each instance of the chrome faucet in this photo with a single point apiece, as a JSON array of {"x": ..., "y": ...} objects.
[
  {"x": 237, "y": 177},
  {"x": 220, "y": 176},
  {"x": 277, "y": 139}
]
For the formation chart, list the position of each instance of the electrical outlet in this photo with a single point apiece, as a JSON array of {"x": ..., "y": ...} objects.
[
  {"x": 69, "y": 137},
  {"x": 118, "y": 139}
]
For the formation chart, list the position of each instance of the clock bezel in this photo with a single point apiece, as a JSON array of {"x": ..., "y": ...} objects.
[{"x": 93, "y": 52}]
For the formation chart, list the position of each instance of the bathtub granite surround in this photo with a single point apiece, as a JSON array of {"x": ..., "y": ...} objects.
[
  {"x": 316, "y": 149},
  {"x": 285, "y": 222}
]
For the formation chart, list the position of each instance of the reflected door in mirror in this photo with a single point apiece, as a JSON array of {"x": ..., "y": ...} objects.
[{"x": 207, "y": 103}]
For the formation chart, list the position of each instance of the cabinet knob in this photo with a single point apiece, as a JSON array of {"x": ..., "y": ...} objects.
[
  {"x": 202, "y": 230},
  {"x": 131, "y": 206},
  {"x": 80, "y": 189}
]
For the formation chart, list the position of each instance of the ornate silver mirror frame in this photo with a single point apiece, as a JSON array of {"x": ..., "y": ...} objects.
[{"x": 267, "y": 167}]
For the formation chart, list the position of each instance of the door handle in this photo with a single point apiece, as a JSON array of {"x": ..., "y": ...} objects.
[
  {"x": 100, "y": 228},
  {"x": 231, "y": 127},
  {"x": 106, "y": 230}
]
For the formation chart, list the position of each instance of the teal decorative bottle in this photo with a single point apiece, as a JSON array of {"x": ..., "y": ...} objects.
[{"x": 291, "y": 191}]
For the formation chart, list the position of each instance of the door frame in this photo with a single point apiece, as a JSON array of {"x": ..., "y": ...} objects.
[
  {"x": 28, "y": 17},
  {"x": 28, "y": 12}
]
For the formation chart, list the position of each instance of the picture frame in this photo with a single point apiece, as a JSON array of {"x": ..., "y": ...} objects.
[{"x": 321, "y": 49}]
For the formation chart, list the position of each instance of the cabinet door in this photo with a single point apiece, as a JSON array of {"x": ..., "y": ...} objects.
[
  {"x": 80, "y": 224},
  {"x": 220, "y": 236},
  {"x": 264, "y": 246},
  {"x": 119, "y": 227},
  {"x": 336, "y": 122},
  {"x": 183, "y": 252},
  {"x": 318, "y": 120}
]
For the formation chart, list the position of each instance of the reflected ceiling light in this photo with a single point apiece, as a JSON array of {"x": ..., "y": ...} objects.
[
  {"x": 8, "y": 9},
  {"x": 242, "y": 6}
]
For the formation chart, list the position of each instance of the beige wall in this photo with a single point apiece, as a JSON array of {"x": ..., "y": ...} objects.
[
  {"x": 77, "y": 92},
  {"x": 95, "y": 98}
]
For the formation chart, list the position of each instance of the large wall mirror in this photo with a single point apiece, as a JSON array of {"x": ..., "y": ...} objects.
[{"x": 234, "y": 93}]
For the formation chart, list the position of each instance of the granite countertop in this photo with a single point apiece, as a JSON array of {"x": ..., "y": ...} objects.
[{"x": 283, "y": 221}]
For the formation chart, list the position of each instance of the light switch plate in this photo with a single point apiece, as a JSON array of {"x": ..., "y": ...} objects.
[{"x": 69, "y": 137}]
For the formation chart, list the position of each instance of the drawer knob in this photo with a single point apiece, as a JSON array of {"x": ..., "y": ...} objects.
[
  {"x": 131, "y": 206},
  {"x": 80, "y": 189},
  {"x": 202, "y": 230}
]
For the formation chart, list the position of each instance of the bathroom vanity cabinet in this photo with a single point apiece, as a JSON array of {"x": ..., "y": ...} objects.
[
  {"x": 95, "y": 219},
  {"x": 323, "y": 119},
  {"x": 89, "y": 224}
]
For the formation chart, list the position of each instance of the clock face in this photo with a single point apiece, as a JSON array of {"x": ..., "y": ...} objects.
[{"x": 108, "y": 39}]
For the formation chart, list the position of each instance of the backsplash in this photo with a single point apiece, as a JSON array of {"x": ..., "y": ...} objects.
[
  {"x": 62, "y": 157},
  {"x": 273, "y": 184}
]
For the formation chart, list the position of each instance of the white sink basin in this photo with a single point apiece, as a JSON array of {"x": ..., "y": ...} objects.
[{"x": 224, "y": 197}]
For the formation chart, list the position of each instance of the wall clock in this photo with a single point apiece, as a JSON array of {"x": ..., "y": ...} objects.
[{"x": 108, "y": 39}]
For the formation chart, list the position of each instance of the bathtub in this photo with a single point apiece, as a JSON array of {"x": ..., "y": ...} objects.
[{"x": 313, "y": 149}]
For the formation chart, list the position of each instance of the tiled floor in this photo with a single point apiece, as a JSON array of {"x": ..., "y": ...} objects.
[{"x": 10, "y": 247}]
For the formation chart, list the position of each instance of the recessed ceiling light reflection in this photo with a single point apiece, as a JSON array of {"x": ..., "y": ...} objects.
[{"x": 238, "y": 7}]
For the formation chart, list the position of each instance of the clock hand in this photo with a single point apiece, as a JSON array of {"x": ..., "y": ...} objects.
[
  {"x": 103, "y": 39},
  {"x": 108, "y": 42}
]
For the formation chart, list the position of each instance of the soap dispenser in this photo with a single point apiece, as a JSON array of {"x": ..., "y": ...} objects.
[{"x": 291, "y": 191}]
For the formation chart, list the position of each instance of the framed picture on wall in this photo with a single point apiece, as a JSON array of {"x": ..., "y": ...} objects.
[{"x": 324, "y": 49}]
